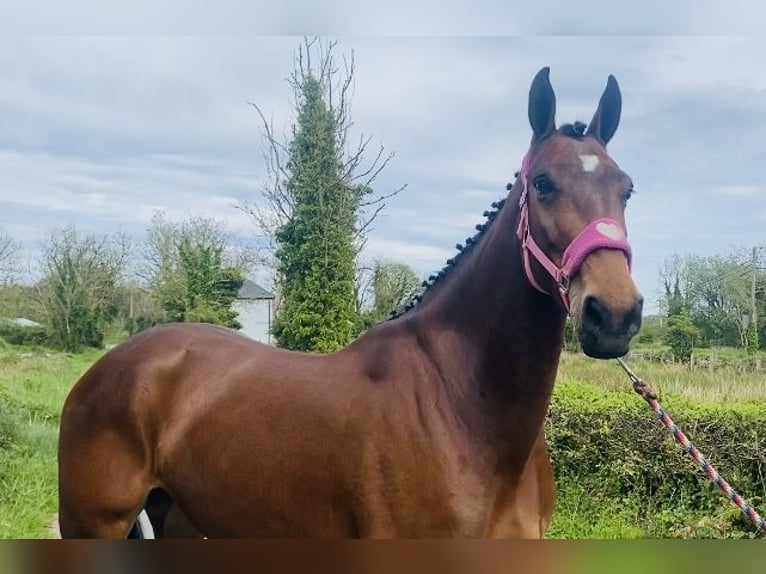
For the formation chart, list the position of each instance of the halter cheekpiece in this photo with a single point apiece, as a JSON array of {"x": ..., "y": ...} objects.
[{"x": 603, "y": 233}]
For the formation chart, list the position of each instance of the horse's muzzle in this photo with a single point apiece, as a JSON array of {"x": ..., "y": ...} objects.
[{"x": 605, "y": 333}]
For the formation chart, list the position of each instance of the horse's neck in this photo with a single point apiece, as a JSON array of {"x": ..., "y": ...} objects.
[{"x": 495, "y": 339}]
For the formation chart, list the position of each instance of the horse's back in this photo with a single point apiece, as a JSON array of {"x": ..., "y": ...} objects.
[
  {"x": 144, "y": 373},
  {"x": 168, "y": 380}
]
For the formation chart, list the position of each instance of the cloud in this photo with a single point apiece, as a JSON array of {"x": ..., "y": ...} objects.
[
  {"x": 396, "y": 18},
  {"x": 37, "y": 188},
  {"x": 744, "y": 191},
  {"x": 102, "y": 131}
]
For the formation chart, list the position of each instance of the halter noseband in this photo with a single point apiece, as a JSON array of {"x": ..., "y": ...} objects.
[{"x": 603, "y": 233}]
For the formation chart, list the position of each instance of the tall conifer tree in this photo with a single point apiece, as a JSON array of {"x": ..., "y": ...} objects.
[{"x": 316, "y": 254}]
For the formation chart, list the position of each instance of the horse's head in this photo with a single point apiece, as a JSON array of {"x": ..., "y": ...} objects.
[{"x": 572, "y": 221}]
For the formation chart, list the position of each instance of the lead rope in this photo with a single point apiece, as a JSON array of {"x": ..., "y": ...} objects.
[{"x": 650, "y": 397}]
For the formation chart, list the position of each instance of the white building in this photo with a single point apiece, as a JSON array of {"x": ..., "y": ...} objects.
[{"x": 254, "y": 306}]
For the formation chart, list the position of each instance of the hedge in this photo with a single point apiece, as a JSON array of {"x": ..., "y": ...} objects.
[
  {"x": 613, "y": 445},
  {"x": 19, "y": 335}
]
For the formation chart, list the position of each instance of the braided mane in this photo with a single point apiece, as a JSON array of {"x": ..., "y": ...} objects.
[{"x": 452, "y": 262}]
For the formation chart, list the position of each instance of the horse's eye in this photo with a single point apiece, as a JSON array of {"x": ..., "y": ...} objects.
[
  {"x": 627, "y": 194},
  {"x": 544, "y": 186}
]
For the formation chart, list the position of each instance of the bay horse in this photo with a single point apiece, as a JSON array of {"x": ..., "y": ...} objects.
[{"x": 429, "y": 424}]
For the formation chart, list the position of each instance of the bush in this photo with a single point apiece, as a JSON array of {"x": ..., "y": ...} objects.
[
  {"x": 653, "y": 330},
  {"x": 681, "y": 336},
  {"x": 611, "y": 444},
  {"x": 17, "y": 335},
  {"x": 645, "y": 337}
]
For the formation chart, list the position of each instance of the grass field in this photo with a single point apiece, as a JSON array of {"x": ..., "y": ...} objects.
[
  {"x": 34, "y": 384},
  {"x": 728, "y": 383}
]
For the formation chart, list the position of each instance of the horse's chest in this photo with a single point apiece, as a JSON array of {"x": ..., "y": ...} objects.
[
  {"x": 487, "y": 503},
  {"x": 472, "y": 500}
]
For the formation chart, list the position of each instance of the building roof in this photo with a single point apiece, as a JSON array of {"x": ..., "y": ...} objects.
[
  {"x": 253, "y": 291},
  {"x": 22, "y": 322}
]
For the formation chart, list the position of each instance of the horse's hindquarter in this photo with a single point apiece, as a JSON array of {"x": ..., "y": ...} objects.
[{"x": 248, "y": 440}]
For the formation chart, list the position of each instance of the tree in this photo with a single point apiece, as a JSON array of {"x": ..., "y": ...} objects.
[
  {"x": 193, "y": 270},
  {"x": 19, "y": 301},
  {"x": 393, "y": 284},
  {"x": 318, "y": 205},
  {"x": 680, "y": 337},
  {"x": 571, "y": 340},
  {"x": 715, "y": 293},
  {"x": 670, "y": 274},
  {"x": 9, "y": 256},
  {"x": 137, "y": 309},
  {"x": 316, "y": 246},
  {"x": 751, "y": 338},
  {"x": 15, "y": 300},
  {"x": 82, "y": 272}
]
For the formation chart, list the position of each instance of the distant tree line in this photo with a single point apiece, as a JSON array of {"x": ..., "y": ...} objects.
[
  {"x": 714, "y": 301},
  {"x": 190, "y": 271},
  {"x": 91, "y": 283}
]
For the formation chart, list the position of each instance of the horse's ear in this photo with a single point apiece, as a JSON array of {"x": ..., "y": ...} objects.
[
  {"x": 542, "y": 105},
  {"x": 607, "y": 116}
]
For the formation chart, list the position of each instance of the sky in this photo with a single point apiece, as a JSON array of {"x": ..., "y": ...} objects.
[{"x": 101, "y": 132}]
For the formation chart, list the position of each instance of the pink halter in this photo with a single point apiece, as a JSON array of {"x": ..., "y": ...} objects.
[{"x": 603, "y": 233}]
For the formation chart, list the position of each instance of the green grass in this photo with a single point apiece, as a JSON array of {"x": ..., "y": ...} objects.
[
  {"x": 33, "y": 386},
  {"x": 580, "y": 515},
  {"x": 720, "y": 385}
]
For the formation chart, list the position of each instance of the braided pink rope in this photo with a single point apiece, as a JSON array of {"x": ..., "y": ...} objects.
[{"x": 648, "y": 395}]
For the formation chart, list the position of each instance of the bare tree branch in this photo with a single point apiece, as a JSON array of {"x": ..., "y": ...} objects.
[
  {"x": 383, "y": 197},
  {"x": 315, "y": 61},
  {"x": 9, "y": 256},
  {"x": 360, "y": 233}
]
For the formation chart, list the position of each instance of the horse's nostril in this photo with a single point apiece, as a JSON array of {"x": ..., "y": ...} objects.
[
  {"x": 633, "y": 318},
  {"x": 595, "y": 313},
  {"x": 599, "y": 319}
]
